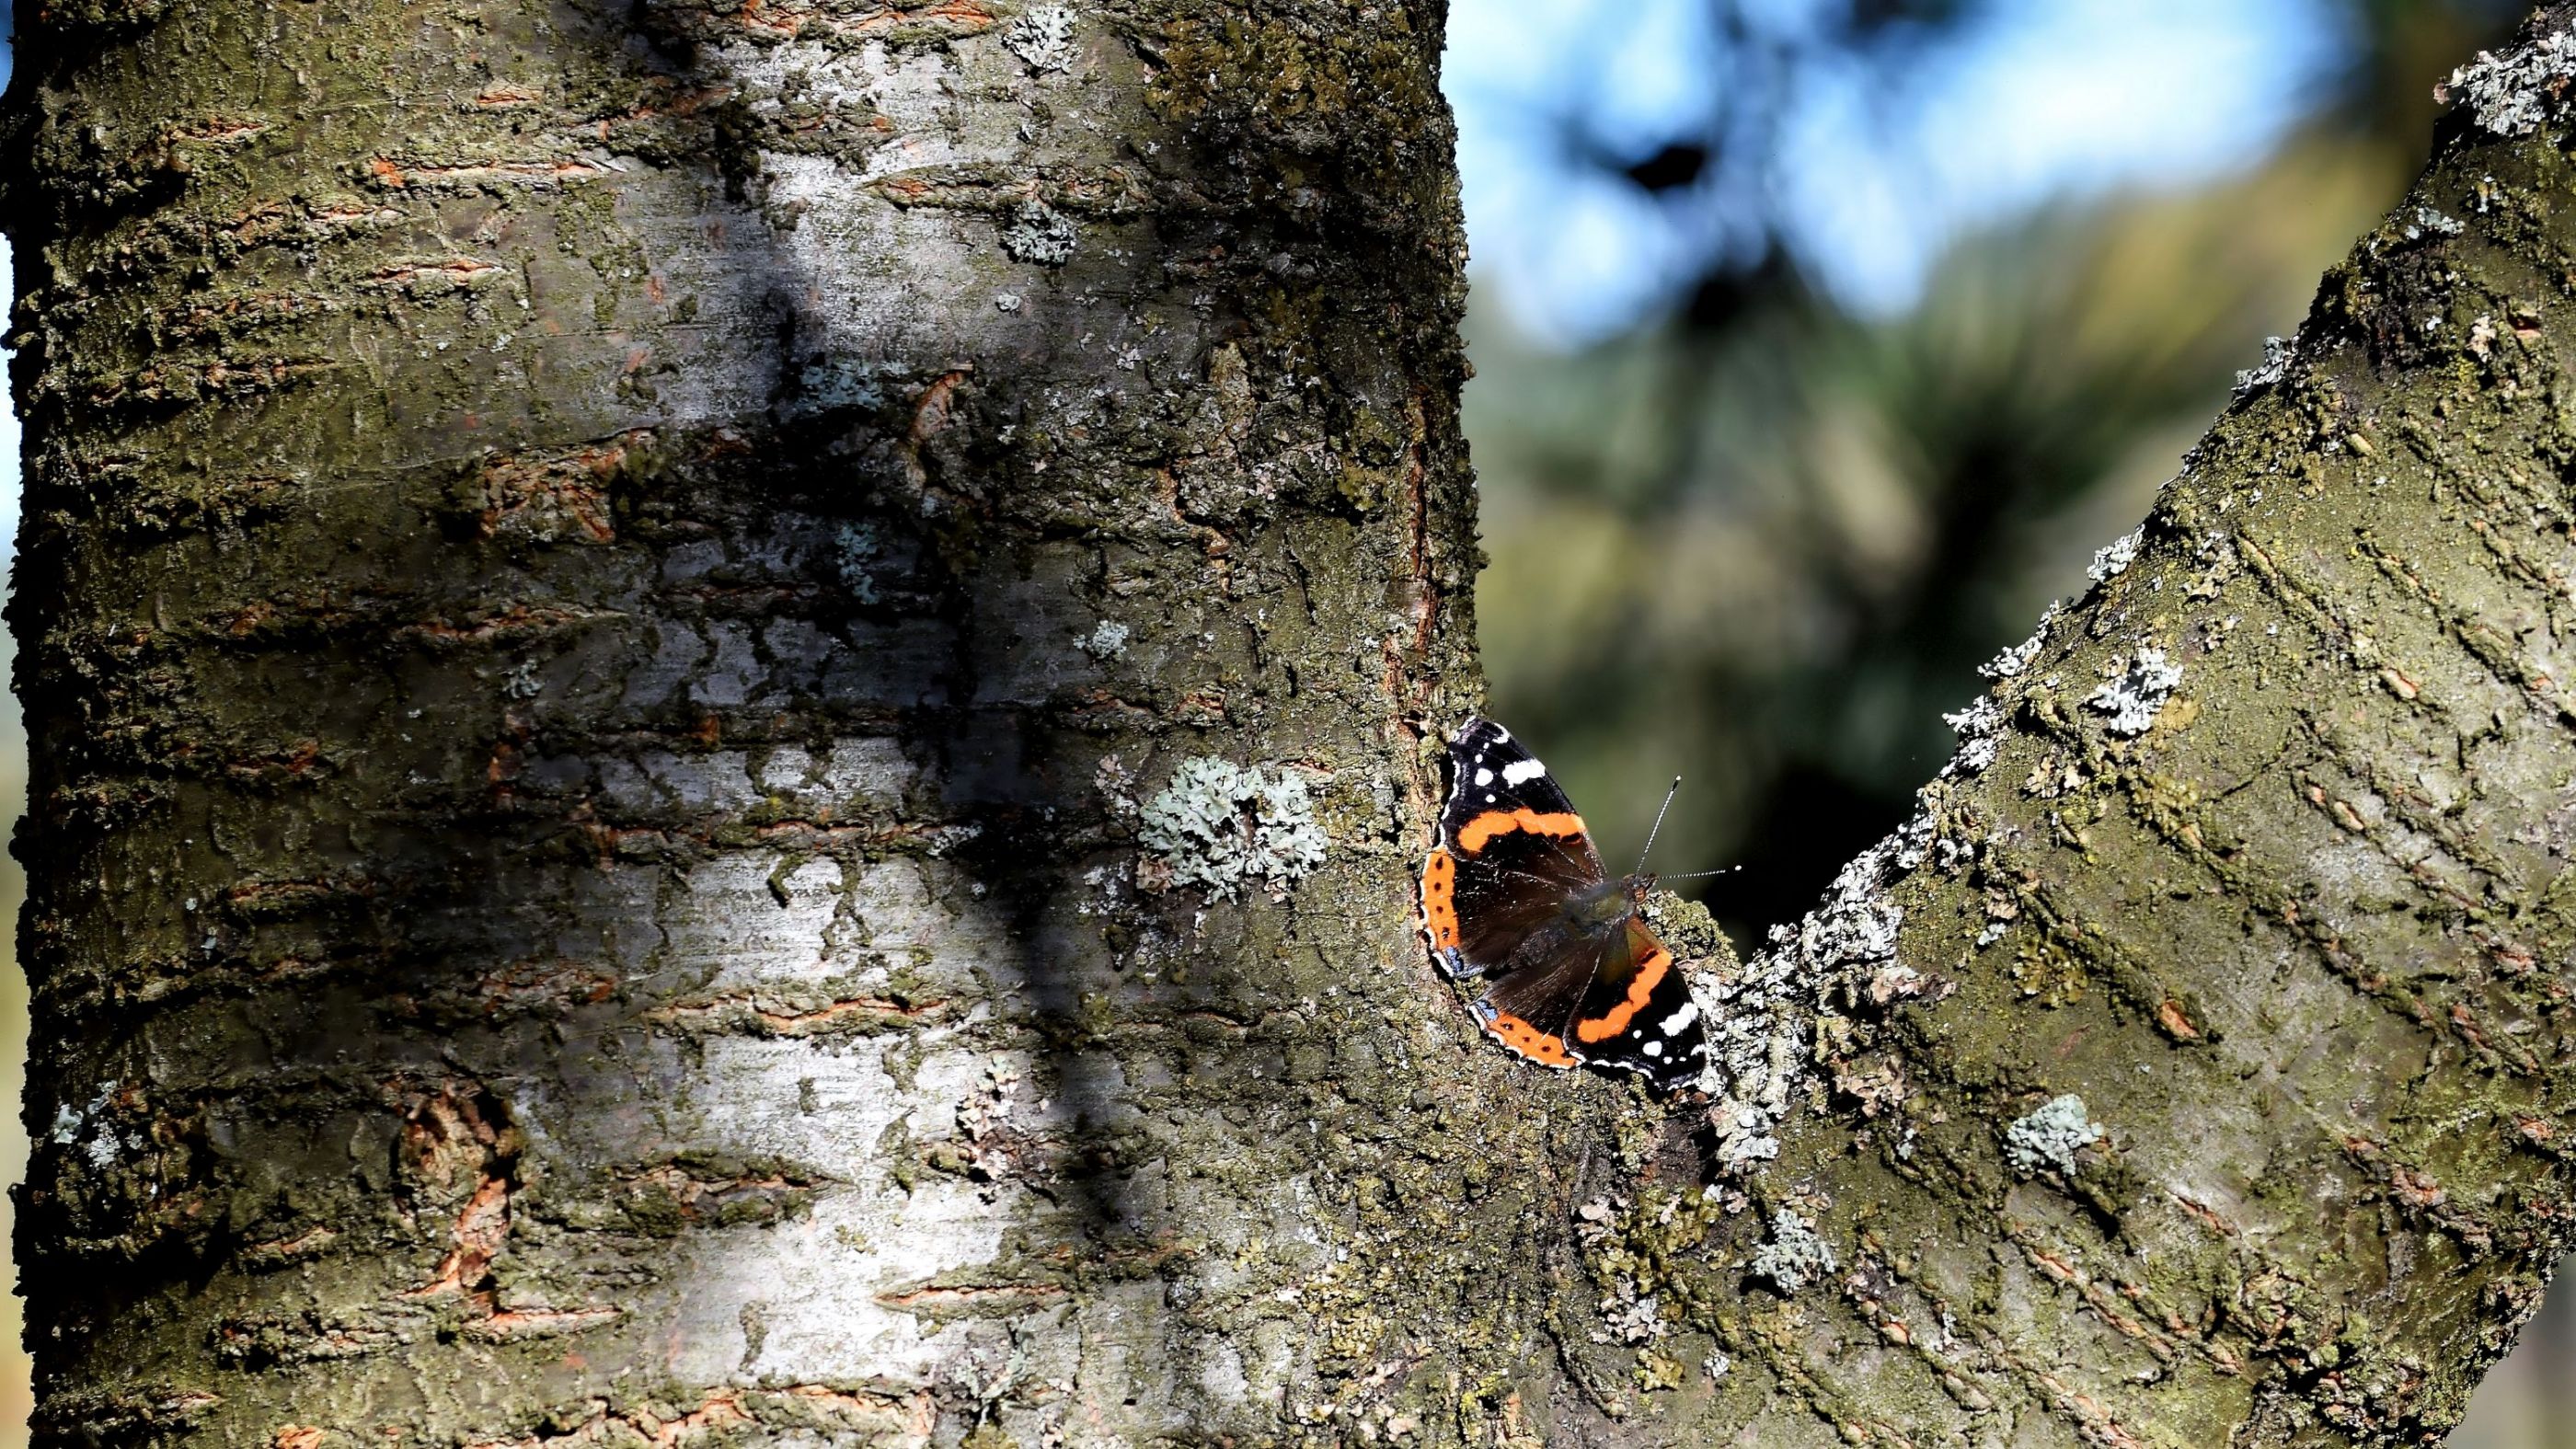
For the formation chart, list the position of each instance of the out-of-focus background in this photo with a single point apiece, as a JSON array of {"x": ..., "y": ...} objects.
[{"x": 1819, "y": 343}]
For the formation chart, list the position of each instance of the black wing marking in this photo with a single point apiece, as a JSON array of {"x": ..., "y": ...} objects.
[{"x": 1490, "y": 770}]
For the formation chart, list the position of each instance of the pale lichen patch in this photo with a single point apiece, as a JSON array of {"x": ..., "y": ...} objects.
[
  {"x": 1106, "y": 641},
  {"x": 1042, "y": 38},
  {"x": 1040, "y": 234},
  {"x": 2011, "y": 662},
  {"x": 2513, "y": 94},
  {"x": 855, "y": 548},
  {"x": 1218, "y": 824},
  {"x": 2430, "y": 219},
  {"x": 2113, "y": 558},
  {"x": 1980, "y": 728},
  {"x": 1757, "y": 1016},
  {"x": 2278, "y": 354},
  {"x": 2050, "y": 1136},
  {"x": 1794, "y": 1256},
  {"x": 2133, "y": 692}
]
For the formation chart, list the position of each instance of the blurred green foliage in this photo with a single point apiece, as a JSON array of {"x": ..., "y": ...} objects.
[{"x": 1765, "y": 543}]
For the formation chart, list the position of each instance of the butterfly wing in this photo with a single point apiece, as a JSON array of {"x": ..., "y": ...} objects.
[
  {"x": 1512, "y": 853},
  {"x": 1512, "y": 856},
  {"x": 1490, "y": 770},
  {"x": 1538, "y": 992},
  {"x": 1636, "y": 1013}
]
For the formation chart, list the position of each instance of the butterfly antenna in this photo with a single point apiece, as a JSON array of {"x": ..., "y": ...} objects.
[
  {"x": 1697, "y": 874},
  {"x": 1659, "y": 824}
]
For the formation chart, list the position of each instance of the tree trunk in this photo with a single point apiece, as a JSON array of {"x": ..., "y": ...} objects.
[{"x": 731, "y": 707}]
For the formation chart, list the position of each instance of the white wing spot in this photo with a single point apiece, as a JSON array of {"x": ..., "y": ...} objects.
[
  {"x": 1521, "y": 772},
  {"x": 1484, "y": 777},
  {"x": 1679, "y": 1021},
  {"x": 1489, "y": 797},
  {"x": 1654, "y": 1048}
]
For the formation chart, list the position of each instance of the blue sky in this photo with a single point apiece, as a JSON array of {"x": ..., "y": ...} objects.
[{"x": 2040, "y": 99}]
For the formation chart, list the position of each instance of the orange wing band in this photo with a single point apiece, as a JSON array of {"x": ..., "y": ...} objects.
[
  {"x": 1476, "y": 834},
  {"x": 1615, "y": 1021},
  {"x": 1529, "y": 1041},
  {"x": 1440, "y": 898}
]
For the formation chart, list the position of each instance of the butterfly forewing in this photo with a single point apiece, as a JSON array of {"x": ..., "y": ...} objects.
[
  {"x": 1637, "y": 1013},
  {"x": 1512, "y": 852},
  {"x": 1496, "y": 789}
]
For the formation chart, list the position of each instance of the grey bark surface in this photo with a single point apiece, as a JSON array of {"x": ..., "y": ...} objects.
[
  {"x": 731, "y": 707},
  {"x": 605, "y": 591}
]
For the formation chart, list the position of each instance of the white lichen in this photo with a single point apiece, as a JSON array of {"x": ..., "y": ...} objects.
[
  {"x": 1756, "y": 1017},
  {"x": 2113, "y": 559},
  {"x": 1106, "y": 641},
  {"x": 1116, "y": 786},
  {"x": 2011, "y": 662},
  {"x": 1628, "y": 1312},
  {"x": 1039, "y": 233},
  {"x": 2515, "y": 93},
  {"x": 1859, "y": 923},
  {"x": 106, "y": 1144},
  {"x": 1980, "y": 728},
  {"x": 1795, "y": 1256},
  {"x": 2428, "y": 219},
  {"x": 68, "y": 1120},
  {"x": 1916, "y": 835},
  {"x": 2133, "y": 693},
  {"x": 2049, "y": 1138},
  {"x": 1042, "y": 38},
  {"x": 2278, "y": 352},
  {"x": 1218, "y": 825},
  {"x": 1630, "y": 1320}
]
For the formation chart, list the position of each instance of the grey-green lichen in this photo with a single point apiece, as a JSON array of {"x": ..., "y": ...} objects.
[
  {"x": 2513, "y": 94},
  {"x": 1219, "y": 824},
  {"x": 1794, "y": 1255},
  {"x": 1039, "y": 233},
  {"x": 1106, "y": 641},
  {"x": 1042, "y": 38},
  {"x": 854, "y": 555},
  {"x": 2049, "y": 1137}
]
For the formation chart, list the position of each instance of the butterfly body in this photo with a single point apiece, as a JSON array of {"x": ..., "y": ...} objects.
[{"x": 1515, "y": 897}]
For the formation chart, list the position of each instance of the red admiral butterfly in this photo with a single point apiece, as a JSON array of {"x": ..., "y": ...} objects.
[{"x": 1515, "y": 895}]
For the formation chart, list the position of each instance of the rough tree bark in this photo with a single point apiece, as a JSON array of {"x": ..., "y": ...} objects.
[{"x": 731, "y": 706}]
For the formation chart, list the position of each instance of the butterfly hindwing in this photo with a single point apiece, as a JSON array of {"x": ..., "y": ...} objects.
[{"x": 1531, "y": 1001}]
